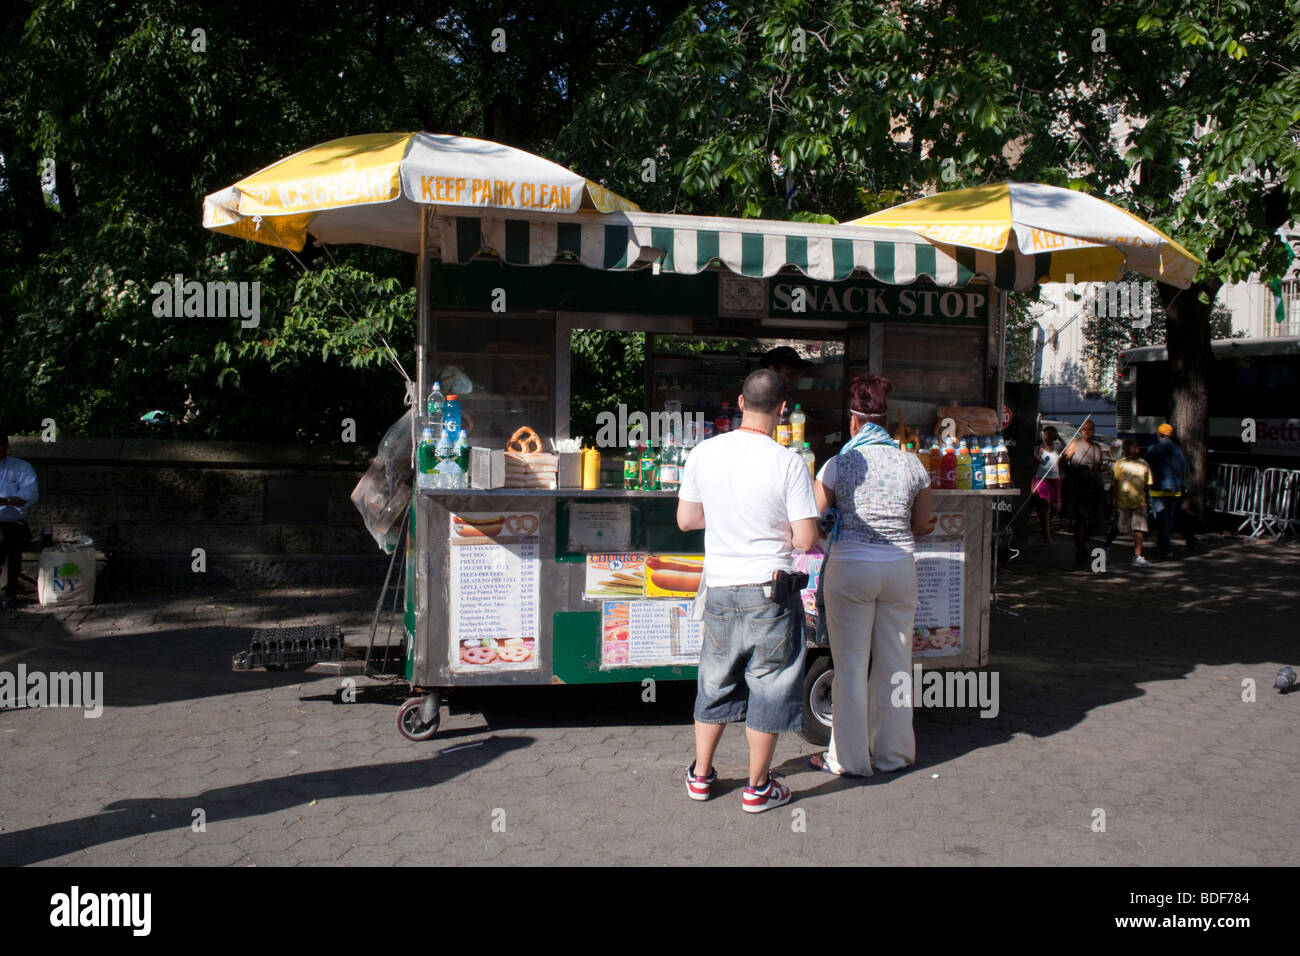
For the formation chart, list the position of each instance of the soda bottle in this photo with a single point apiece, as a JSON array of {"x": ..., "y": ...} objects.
[
  {"x": 737, "y": 416},
  {"x": 806, "y": 453},
  {"x": 783, "y": 430},
  {"x": 798, "y": 423},
  {"x": 670, "y": 466},
  {"x": 723, "y": 422},
  {"x": 1004, "y": 464},
  {"x": 632, "y": 467},
  {"x": 963, "y": 466},
  {"x": 936, "y": 464},
  {"x": 649, "y": 468},
  {"x": 436, "y": 403},
  {"x": 977, "y": 479},
  {"x": 949, "y": 474}
]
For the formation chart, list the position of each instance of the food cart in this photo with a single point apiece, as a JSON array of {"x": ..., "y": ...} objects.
[
  {"x": 572, "y": 585},
  {"x": 557, "y": 583}
]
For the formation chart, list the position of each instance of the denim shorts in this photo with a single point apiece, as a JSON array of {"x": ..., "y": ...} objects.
[{"x": 751, "y": 664}]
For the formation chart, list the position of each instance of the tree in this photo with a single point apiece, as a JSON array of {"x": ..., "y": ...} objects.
[
  {"x": 753, "y": 108},
  {"x": 134, "y": 111}
]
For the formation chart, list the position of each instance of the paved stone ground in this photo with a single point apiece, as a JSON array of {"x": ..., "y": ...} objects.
[{"x": 1120, "y": 692}]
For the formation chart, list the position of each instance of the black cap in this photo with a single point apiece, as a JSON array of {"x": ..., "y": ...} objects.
[{"x": 784, "y": 355}]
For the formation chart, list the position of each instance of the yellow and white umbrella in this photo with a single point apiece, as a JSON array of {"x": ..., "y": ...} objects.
[
  {"x": 1035, "y": 233},
  {"x": 369, "y": 189}
]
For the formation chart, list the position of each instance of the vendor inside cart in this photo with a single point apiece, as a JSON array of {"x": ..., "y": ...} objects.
[{"x": 787, "y": 363}]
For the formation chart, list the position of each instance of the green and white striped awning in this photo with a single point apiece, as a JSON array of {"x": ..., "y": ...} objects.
[{"x": 750, "y": 247}]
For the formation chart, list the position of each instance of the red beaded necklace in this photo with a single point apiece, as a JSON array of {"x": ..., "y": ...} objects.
[{"x": 756, "y": 431}]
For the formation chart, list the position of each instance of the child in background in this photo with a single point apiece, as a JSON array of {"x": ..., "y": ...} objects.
[
  {"x": 1047, "y": 479},
  {"x": 1129, "y": 496}
]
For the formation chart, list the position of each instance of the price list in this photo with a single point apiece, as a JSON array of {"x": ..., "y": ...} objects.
[
  {"x": 493, "y": 589},
  {"x": 940, "y": 566},
  {"x": 660, "y": 632}
]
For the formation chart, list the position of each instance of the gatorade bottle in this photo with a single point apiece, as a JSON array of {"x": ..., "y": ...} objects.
[
  {"x": 948, "y": 473},
  {"x": 798, "y": 423},
  {"x": 977, "y": 479},
  {"x": 1003, "y": 464},
  {"x": 806, "y": 453},
  {"x": 451, "y": 417},
  {"x": 632, "y": 468},
  {"x": 963, "y": 466}
]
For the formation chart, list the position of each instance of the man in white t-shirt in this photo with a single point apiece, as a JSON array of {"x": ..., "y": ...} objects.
[{"x": 754, "y": 500}]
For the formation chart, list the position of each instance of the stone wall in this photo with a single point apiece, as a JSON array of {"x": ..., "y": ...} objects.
[{"x": 264, "y": 514}]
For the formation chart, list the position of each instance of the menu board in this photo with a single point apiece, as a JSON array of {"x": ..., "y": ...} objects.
[
  {"x": 493, "y": 586},
  {"x": 645, "y": 633},
  {"x": 940, "y": 587}
]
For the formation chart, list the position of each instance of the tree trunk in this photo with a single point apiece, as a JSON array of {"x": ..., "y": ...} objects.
[{"x": 1187, "y": 335}]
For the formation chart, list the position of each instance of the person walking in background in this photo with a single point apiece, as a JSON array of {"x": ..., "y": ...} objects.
[
  {"x": 17, "y": 494},
  {"x": 881, "y": 498},
  {"x": 1129, "y": 497},
  {"x": 754, "y": 501},
  {"x": 1169, "y": 482},
  {"x": 1047, "y": 479},
  {"x": 1085, "y": 496}
]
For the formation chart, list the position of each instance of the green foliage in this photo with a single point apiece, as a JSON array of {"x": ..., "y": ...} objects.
[
  {"x": 138, "y": 124},
  {"x": 608, "y": 369}
]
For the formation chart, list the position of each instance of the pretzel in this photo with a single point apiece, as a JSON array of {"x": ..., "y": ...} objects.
[{"x": 525, "y": 440}]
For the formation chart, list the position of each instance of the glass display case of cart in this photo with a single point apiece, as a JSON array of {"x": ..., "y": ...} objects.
[
  {"x": 502, "y": 369},
  {"x": 702, "y": 372}
]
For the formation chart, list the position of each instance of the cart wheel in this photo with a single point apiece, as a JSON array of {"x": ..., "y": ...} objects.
[
  {"x": 817, "y": 701},
  {"x": 409, "y": 723}
]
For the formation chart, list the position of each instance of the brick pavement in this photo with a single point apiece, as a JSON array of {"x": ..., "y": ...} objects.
[{"x": 1119, "y": 691}]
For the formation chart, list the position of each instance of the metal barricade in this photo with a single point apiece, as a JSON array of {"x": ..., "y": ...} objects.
[
  {"x": 1276, "y": 510},
  {"x": 1237, "y": 493}
]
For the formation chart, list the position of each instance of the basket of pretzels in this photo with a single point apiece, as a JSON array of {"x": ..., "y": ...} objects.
[{"x": 527, "y": 464}]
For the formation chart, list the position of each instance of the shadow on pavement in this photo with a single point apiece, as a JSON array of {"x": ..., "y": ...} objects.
[
  {"x": 136, "y": 817},
  {"x": 1063, "y": 642}
]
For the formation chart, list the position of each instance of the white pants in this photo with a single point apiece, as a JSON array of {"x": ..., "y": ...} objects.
[{"x": 870, "y": 606}]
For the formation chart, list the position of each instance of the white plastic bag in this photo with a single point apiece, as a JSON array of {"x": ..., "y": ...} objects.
[
  {"x": 384, "y": 490},
  {"x": 67, "y": 577}
]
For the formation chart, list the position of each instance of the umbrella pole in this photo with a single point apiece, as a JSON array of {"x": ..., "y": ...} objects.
[{"x": 422, "y": 316}]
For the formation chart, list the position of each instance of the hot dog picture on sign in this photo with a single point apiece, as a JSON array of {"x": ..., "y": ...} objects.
[{"x": 673, "y": 575}]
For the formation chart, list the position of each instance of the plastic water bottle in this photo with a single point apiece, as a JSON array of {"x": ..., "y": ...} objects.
[
  {"x": 427, "y": 460},
  {"x": 443, "y": 454},
  {"x": 437, "y": 403}
]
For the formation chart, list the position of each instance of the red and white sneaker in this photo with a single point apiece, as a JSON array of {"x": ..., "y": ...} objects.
[
  {"x": 758, "y": 799},
  {"x": 697, "y": 787}
]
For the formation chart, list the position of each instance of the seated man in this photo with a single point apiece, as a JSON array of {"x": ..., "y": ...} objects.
[{"x": 17, "y": 493}]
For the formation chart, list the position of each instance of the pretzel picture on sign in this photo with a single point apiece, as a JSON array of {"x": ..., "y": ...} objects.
[{"x": 525, "y": 440}]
